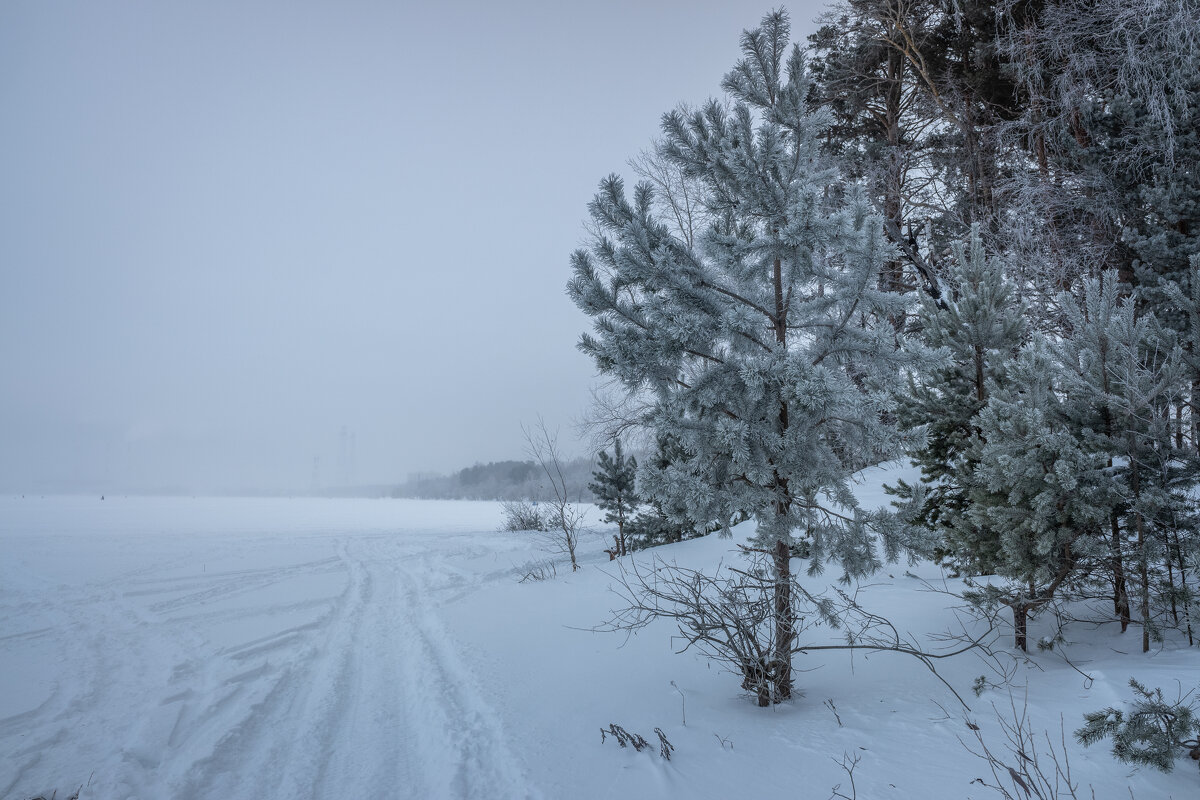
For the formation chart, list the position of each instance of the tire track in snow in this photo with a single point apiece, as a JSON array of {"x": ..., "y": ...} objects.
[
  {"x": 201, "y": 589},
  {"x": 202, "y": 694},
  {"x": 413, "y": 723},
  {"x": 97, "y": 637},
  {"x": 469, "y": 756},
  {"x": 274, "y": 747},
  {"x": 380, "y": 706}
]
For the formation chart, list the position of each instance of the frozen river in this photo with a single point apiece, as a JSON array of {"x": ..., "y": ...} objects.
[{"x": 179, "y": 647}]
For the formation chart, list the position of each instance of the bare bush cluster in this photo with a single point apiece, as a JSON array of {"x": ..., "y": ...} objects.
[
  {"x": 564, "y": 516},
  {"x": 1022, "y": 769},
  {"x": 521, "y": 515},
  {"x": 731, "y": 616},
  {"x": 536, "y": 571}
]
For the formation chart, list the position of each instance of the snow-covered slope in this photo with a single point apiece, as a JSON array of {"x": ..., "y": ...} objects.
[{"x": 237, "y": 648}]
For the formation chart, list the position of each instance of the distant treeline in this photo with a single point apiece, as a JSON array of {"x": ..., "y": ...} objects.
[{"x": 500, "y": 480}]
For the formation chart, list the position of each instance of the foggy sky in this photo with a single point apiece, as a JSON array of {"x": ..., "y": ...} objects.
[{"x": 228, "y": 230}]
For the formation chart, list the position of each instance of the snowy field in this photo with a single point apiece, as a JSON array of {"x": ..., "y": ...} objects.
[{"x": 295, "y": 648}]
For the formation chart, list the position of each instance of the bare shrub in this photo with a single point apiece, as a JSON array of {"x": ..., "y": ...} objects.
[
  {"x": 729, "y": 617},
  {"x": 848, "y": 765},
  {"x": 520, "y": 515},
  {"x": 564, "y": 517},
  {"x": 535, "y": 571},
  {"x": 1020, "y": 769}
]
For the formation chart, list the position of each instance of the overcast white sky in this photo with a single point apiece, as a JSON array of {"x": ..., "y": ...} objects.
[{"x": 229, "y": 229}]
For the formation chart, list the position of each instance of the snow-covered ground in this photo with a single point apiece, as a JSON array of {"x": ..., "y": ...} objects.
[{"x": 293, "y": 648}]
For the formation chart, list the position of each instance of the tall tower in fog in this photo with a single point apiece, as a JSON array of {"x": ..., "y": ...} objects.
[
  {"x": 346, "y": 461},
  {"x": 343, "y": 456}
]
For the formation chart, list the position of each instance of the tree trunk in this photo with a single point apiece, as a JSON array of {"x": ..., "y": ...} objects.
[
  {"x": 891, "y": 277},
  {"x": 1170, "y": 563},
  {"x": 763, "y": 687},
  {"x": 1020, "y": 625},
  {"x": 624, "y": 551},
  {"x": 1193, "y": 416},
  {"x": 1183, "y": 580},
  {"x": 980, "y": 391},
  {"x": 1143, "y": 559},
  {"x": 1144, "y": 568},
  {"x": 784, "y": 626},
  {"x": 1120, "y": 590}
]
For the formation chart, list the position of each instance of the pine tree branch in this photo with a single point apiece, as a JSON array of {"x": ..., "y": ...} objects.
[{"x": 735, "y": 296}]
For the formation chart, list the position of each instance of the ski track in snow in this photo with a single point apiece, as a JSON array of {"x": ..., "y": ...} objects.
[{"x": 358, "y": 694}]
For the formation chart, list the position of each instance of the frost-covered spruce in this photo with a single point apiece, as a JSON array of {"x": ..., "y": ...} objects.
[{"x": 766, "y": 344}]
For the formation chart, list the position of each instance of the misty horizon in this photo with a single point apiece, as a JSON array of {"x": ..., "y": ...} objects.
[{"x": 231, "y": 231}]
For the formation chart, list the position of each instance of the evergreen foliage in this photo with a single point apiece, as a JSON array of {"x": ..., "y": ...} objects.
[
  {"x": 613, "y": 488},
  {"x": 979, "y": 326},
  {"x": 918, "y": 90},
  {"x": 1151, "y": 733},
  {"x": 884, "y": 118},
  {"x": 1076, "y": 471},
  {"x": 743, "y": 289},
  {"x": 766, "y": 344},
  {"x": 1036, "y": 495},
  {"x": 762, "y": 343},
  {"x": 1162, "y": 227},
  {"x": 1183, "y": 531},
  {"x": 662, "y": 522},
  {"x": 1124, "y": 373}
]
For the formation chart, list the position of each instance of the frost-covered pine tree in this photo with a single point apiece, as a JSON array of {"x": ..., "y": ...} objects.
[
  {"x": 766, "y": 343},
  {"x": 1151, "y": 732},
  {"x": 1037, "y": 489},
  {"x": 1185, "y": 537},
  {"x": 613, "y": 487},
  {"x": 978, "y": 324},
  {"x": 1124, "y": 375},
  {"x": 662, "y": 522},
  {"x": 1077, "y": 472}
]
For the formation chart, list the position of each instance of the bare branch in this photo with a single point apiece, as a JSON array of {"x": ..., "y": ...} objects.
[
  {"x": 566, "y": 517},
  {"x": 729, "y": 617}
]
